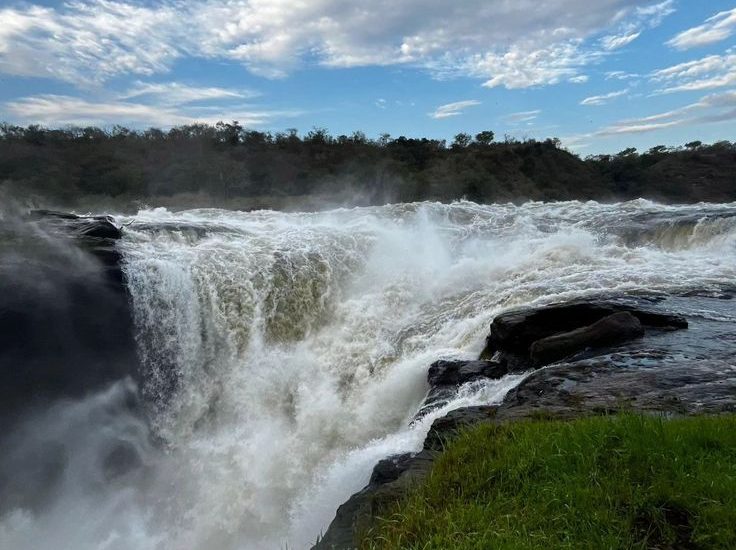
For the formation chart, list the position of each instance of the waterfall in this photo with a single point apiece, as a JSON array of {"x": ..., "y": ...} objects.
[{"x": 283, "y": 354}]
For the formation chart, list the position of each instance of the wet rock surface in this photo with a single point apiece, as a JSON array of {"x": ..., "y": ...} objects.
[
  {"x": 613, "y": 329},
  {"x": 65, "y": 322},
  {"x": 643, "y": 361},
  {"x": 94, "y": 234},
  {"x": 446, "y": 376}
]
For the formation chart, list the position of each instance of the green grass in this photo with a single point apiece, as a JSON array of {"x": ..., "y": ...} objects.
[{"x": 604, "y": 482}]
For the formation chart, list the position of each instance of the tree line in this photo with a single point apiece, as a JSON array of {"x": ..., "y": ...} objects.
[{"x": 226, "y": 161}]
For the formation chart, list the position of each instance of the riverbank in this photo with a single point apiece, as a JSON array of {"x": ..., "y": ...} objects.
[
  {"x": 626, "y": 481},
  {"x": 528, "y": 461}
]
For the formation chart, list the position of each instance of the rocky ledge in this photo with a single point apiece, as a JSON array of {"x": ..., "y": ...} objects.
[
  {"x": 65, "y": 322},
  {"x": 668, "y": 355}
]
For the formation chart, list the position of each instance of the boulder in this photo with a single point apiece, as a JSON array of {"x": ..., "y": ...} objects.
[
  {"x": 515, "y": 331},
  {"x": 613, "y": 329}
]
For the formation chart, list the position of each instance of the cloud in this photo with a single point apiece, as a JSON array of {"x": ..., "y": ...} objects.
[
  {"x": 521, "y": 116},
  {"x": 710, "y": 72},
  {"x": 603, "y": 99},
  {"x": 524, "y": 66},
  {"x": 613, "y": 42},
  {"x": 716, "y": 28},
  {"x": 643, "y": 17},
  {"x": 453, "y": 109},
  {"x": 720, "y": 107},
  {"x": 59, "y": 110},
  {"x": 620, "y": 75},
  {"x": 176, "y": 93},
  {"x": 513, "y": 44},
  {"x": 88, "y": 41}
]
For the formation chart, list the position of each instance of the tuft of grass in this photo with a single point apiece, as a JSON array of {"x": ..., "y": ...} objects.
[{"x": 629, "y": 481}]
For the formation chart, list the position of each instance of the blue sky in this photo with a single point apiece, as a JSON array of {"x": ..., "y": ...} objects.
[{"x": 600, "y": 75}]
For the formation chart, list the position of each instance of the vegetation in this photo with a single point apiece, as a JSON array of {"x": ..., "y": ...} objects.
[
  {"x": 598, "y": 483},
  {"x": 226, "y": 162}
]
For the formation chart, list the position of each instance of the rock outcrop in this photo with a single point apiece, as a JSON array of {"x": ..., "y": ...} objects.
[
  {"x": 601, "y": 357},
  {"x": 65, "y": 322}
]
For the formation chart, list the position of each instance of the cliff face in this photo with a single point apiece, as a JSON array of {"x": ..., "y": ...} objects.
[
  {"x": 668, "y": 356},
  {"x": 65, "y": 324}
]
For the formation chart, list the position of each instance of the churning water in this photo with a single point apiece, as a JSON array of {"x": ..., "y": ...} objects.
[{"x": 283, "y": 354}]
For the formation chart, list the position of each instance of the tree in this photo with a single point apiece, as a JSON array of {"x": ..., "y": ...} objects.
[
  {"x": 693, "y": 145},
  {"x": 485, "y": 137},
  {"x": 462, "y": 140}
]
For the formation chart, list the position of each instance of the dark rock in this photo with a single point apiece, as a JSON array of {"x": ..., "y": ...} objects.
[
  {"x": 445, "y": 427},
  {"x": 616, "y": 328},
  {"x": 98, "y": 227},
  {"x": 65, "y": 322},
  {"x": 455, "y": 373},
  {"x": 358, "y": 512},
  {"x": 389, "y": 469},
  {"x": 445, "y": 377},
  {"x": 515, "y": 331}
]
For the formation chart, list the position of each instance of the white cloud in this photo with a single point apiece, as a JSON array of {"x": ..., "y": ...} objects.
[
  {"x": 710, "y": 72},
  {"x": 523, "y": 65},
  {"x": 88, "y": 42},
  {"x": 453, "y": 109},
  {"x": 603, "y": 99},
  {"x": 716, "y": 28},
  {"x": 58, "y": 110},
  {"x": 643, "y": 17},
  {"x": 176, "y": 93},
  {"x": 521, "y": 116},
  {"x": 720, "y": 107},
  {"x": 613, "y": 42},
  {"x": 514, "y": 44},
  {"x": 579, "y": 79},
  {"x": 620, "y": 75}
]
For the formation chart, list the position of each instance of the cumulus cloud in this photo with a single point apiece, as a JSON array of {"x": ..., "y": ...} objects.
[
  {"x": 453, "y": 109},
  {"x": 603, "y": 99},
  {"x": 512, "y": 44},
  {"x": 710, "y": 72},
  {"x": 715, "y": 29}
]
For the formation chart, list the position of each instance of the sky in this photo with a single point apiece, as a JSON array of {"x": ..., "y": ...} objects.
[{"x": 600, "y": 75}]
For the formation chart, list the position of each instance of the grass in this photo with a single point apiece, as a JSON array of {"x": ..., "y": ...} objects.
[{"x": 611, "y": 482}]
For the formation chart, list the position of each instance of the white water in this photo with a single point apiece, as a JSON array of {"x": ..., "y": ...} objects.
[{"x": 284, "y": 354}]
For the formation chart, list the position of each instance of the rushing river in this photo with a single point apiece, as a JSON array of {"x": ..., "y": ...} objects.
[{"x": 283, "y": 354}]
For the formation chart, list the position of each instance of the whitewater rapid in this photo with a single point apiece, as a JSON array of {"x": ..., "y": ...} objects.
[{"x": 284, "y": 354}]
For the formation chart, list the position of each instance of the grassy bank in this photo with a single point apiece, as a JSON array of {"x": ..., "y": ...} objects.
[{"x": 605, "y": 482}]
